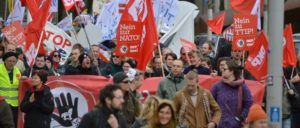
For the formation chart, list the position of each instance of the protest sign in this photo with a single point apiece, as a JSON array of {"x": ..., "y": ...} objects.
[
  {"x": 14, "y": 33},
  {"x": 56, "y": 39},
  {"x": 245, "y": 30}
]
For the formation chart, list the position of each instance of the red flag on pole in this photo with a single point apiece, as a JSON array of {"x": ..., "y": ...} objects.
[
  {"x": 289, "y": 53},
  {"x": 137, "y": 36},
  {"x": 257, "y": 61},
  {"x": 216, "y": 24},
  {"x": 39, "y": 10},
  {"x": 70, "y": 4}
]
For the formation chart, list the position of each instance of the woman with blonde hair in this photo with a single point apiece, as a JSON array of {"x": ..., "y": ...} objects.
[
  {"x": 164, "y": 116},
  {"x": 150, "y": 106}
]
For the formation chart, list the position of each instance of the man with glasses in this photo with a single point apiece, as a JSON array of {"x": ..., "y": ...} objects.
[
  {"x": 172, "y": 83},
  {"x": 114, "y": 66},
  {"x": 131, "y": 107},
  {"x": 107, "y": 114}
]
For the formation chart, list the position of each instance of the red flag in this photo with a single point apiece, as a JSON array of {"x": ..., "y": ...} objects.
[
  {"x": 289, "y": 53},
  {"x": 70, "y": 5},
  {"x": 244, "y": 6},
  {"x": 39, "y": 10},
  {"x": 187, "y": 44},
  {"x": 216, "y": 24},
  {"x": 257, "y": 61},
  {"x": 137, "y": 35}
]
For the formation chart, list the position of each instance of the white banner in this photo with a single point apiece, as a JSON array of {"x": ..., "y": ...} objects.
[
  {"x": 17, "y": 15},
  {"x": 109, "y": 19},
  {"x": 57, "y": 39}
]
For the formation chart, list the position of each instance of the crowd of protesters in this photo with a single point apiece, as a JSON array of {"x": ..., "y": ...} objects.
[{"x": 179, "y": 102}]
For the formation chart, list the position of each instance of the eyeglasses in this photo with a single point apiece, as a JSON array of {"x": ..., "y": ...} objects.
[
  {"x": 126, "y": 82},
  {"x": 115, "y": 56},
  {"x": 55, "y": 55}
]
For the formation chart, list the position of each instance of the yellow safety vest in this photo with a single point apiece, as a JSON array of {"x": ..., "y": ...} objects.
[{"x": 9, "y": 90}]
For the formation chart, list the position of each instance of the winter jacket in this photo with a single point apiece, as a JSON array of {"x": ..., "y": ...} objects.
[
  {"x": 87, "y": 71},
  {"x": 40, "y": 110},
  {"x": 98, "y": 118},
  {"x": 226, "y": 96},
  {"x": 200, "y": 69},
  {"x": 169, "y": 85},
  {"x": 6, "y": 117},
  {"x": 196, "y": 116},
  {"x": 111, "y": 69},
  {"x": 28, "y": 70}
]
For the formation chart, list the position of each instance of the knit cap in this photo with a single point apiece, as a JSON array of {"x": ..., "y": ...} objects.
[
  {"x": 256, "y": 113},
  {"x": 119, "y": 77}
]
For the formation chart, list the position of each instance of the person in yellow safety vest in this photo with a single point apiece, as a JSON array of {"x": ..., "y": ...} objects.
[{"x": 9, "y": 82}]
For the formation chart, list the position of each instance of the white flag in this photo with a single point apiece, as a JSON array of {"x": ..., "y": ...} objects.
[
  {"x": 17, "y": 15},
  {"x": 256, "y": 11},
  {"x": 109, "y": 19},
  {"x": 183, "y": 27},
  {"x": 170, "y": 10},
  {"x": 66, "y": 23},
  {"x": 54, "y": 6}
]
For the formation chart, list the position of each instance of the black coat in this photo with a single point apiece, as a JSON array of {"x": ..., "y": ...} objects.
[
  {"x": 38, "y": 113},
  {"x": 98, "y": 119}
]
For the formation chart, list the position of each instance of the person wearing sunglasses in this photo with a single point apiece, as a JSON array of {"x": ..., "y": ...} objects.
[
  {"x": 131, "y": 105},
  {"x": 114, "y": 66}
]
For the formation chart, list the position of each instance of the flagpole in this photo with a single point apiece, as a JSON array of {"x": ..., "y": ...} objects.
[
  {"x": 161, "y": 60},
  {"x": 73, "y": 30},
  {"x": 292, "y": 73},
  {"x": 5, "y": 10},
  {"x": 217, "y": 45},
  {"x": 38, "y": 47},
  {"x": 243, "y": 63},
  {"x": 210, "y": 16},
  {"x": 12, "y": 14},
  {"x": 87, "y": 38}
]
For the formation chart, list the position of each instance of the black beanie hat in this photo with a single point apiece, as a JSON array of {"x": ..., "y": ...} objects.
[
  {"x": 9, "y": 54},
  {"x": 131, "y": 62},
  {"x": 81, "y": 57},
  {"x": 119, "y": 77}
]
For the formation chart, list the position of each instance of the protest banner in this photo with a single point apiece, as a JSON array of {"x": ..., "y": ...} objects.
[
  {"x": 245, "y": 30},
  {"x": 130, "y": 35},
  {"x": 56, "y": 39},
  {"x": 15, "y": 33},
  {"x": 83, "y": 94}
]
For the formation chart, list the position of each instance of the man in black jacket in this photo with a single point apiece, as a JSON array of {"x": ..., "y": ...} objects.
[{"x": 108, "y": 114}]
